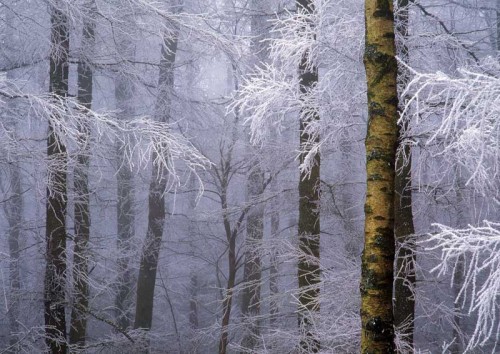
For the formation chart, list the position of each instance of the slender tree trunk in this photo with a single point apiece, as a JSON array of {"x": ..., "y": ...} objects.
[
  {"x": 377, "y": 272},
  {"x": 458, "y": 274},
  {"x": 252, "y": 273},
  {"x": 55, "y": 272},
  {"x": 193, "y": 302},
  {"x": 273, "y": 270},
  {"x": 14, "y": 211},
  {"x": 80, "y": 309},
  {"x": 124, "y": 96},
  {"x": 405, "y": 281},
  {"x": 193, "y": 276},
  {"x": 309, "y": 204},
  {"x": 13, "y": 208},
  {"x": 232, "y": 267},
  {"x": 156, "y": 217}
]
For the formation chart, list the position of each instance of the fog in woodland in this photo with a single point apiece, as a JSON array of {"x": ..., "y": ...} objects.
[{"x": 249, "y": 176}]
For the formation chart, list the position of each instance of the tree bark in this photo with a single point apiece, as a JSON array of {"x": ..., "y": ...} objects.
[
  {"x": 232, "y": 265},
  {"x": 274, "y": 270},
  {"x": 156, "y": 217},
  {"x": 458, "y": 273},
  {"x": 78, "y": 327},
  {"x": 124, "y": 96},
  {"x": 309, "y": 204},
  {"x": 377, "y": 272},
  {"x": 55, "y": 272},
  {"x": 405, "y": 281},
  {"x": 252, "y": 272},
  {"x": 14, "y": 211}
]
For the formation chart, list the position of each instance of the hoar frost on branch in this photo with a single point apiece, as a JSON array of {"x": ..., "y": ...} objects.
[
  {"x": 480, "y": 289},
  {"x": 455, "y": 119},
  {"x": 468, "y": 134},
  {"x": 142, "y": 137},
  {"x": 271, "y": 97}
]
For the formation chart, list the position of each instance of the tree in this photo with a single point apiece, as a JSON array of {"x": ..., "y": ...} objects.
[
  {"x": 79, "y": 313},
  {"x": 252, "y": 271},
  {"x": 125, "y": 98},
  {"x": 56, "y": 204},
  {"x": 467, "y": 137},
  {"x": 377, "y": 332},
  {"x": 404, "y": 229},
  {"x": 157, "y": 189},
  {"x": 309, "y": 197}
]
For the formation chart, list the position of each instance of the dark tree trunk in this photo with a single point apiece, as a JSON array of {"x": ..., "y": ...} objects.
[
  {"x": 55, "y": 273},
  {"x": 458, "y": 273},
  {"x": 274, "y": 271},
  {"x": 78, "y": 327},
  {"x": 377, "y": 272},
  {"x": 405, "y": 280},
  {"x": 156, "y": 217},
  {"x": 252, "y": 272},
  {"x": 309, "y": 221},
  {"x": 232, "y": 268}
]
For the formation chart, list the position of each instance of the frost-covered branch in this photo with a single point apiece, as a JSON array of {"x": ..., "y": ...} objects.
[
  {"x": 460, "y": 115},
  {"x": 480, "y": 289},
  {"x": 142, "y": 137}
]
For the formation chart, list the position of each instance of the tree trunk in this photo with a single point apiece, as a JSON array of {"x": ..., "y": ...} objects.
[
  {"x": 377, "y": 272},
  {"x": 77, "y": 332},
  {"x": 14, "y": 211},
  {"x": 55, "y": 272},
  {"x": 274, "y": 271},
  {"x": 156, "y": 217},
  {"x": 405, "y": 281},
  {"x": 124, "y": 96},
  {"x": 309, "y": 221},
  {"x": 458, "y": 273},
  {"x": 252, "y": 273},
  {"x": 232, "y": 267}
]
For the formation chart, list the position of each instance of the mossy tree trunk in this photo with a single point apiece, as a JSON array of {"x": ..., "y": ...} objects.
[
  {"x": 56, "y": 204},
  {"x": 78, "y": 327},
  {"x": 309, "y": 198},
  {"x": 377, "y": 332}
]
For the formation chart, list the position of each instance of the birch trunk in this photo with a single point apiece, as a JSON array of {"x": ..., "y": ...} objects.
[{"x": 377, "y": 272}]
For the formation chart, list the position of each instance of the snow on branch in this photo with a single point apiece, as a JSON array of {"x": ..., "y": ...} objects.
[
  {"x": 479, "y": 249},
  {"x": 459, "y": 115},
  {"x": 143, "y": 139}
]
